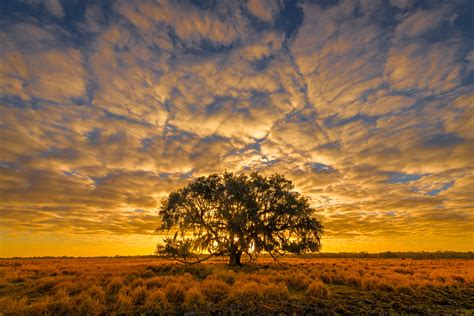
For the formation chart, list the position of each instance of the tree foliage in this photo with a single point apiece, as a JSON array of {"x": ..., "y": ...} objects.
[{"x": 231, "y": 215}]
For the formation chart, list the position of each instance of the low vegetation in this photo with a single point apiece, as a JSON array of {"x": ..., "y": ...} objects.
[{"x": 108, "y": 286}]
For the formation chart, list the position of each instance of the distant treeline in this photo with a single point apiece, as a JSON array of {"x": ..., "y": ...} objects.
[
  {"x": 387, "y": 254},
  {"x": 391, "y": 254}
]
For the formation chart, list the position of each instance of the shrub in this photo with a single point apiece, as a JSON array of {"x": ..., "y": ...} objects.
[
  {"x": 317, "y": 290},
  {"x": 186, "y": 280},
  {"x": 138, "y": 296},
  {"x": 175, "y": 293},
  {"x": 228, "y": 276},
  {"x": 137, "y": 282},
  {"x": 114, "y": 286},
  {"x": 275, "y": 297},
  {"x": 404, "y": 271},
  {"x": 326, "y": 278},
  {"x": 245, "y": 298},
  {"x": 129, "y": 278},
  {"x": 147, "y": 274},
  {"x": 163, "y": 269},
  {"x": 386, "y": 287},
  {"x": 369, "y": 283},
  {"x": 194, "y": 301},
  {"x": 199, "y": 271},
  {"x": 62, "y": 304},
  {"x": 86, "y": 305},
  {"x": 297, "y": 281},
  {"x": 124, "y": 304},
  {"x": 40, "y": 307},
  {"x": 156, "y": 303},
  {"x": 215, "y": 290},
  {"x": 156, "y": 282},
  {"x": 71, "y": 288},
  {"x": 67, "y": 272},
  {"x": 96, "y": 292},
  {"x": 458, "y": 279},
  {"x": 254, "y": 277},
  {"x": 12, "y": 306},
  {"x": 18, "y": 280},
  {"x": 45, "y": 285},
  {"x": 353, "y": 280},
  {"x": 254, "y": 298}
]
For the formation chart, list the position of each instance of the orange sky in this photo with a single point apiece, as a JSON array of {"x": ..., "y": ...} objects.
[{"x": 366, "y": 105}]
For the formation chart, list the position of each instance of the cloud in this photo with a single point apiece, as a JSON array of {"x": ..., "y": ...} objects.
[
  {"x": 366, "y": 106},
  {"x": 222, "y": 26},
  {"x": 402, "y": 4},
  {"x": 432, "y": 69},
  {"x": 265, "y": 10},
  {"x": 36, "y": 64},
  {"x": 341, "y": 61},
  {"x": 54, "y": 6},
  {"x": 56, "y": 75}
]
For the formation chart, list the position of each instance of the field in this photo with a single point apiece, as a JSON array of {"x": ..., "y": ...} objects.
[{"x": 150, "y": 286}]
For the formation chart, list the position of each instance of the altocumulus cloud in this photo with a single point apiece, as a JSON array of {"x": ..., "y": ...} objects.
[{"x": 366, "y": 105}]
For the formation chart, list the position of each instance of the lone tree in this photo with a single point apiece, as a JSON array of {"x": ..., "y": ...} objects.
[{"x": 231, "y": 215}]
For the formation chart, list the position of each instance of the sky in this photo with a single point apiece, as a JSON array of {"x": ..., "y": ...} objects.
[{"x": 108, "y": 106}]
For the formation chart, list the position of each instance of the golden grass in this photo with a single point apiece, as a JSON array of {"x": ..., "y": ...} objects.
[{"x": 109, "y": 286}]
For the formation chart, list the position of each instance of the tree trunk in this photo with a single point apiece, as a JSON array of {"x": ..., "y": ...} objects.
[{"x": 234, "y": 258}]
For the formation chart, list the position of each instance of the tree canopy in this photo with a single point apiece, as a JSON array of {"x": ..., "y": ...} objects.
[{"x": 234, "y": 214}]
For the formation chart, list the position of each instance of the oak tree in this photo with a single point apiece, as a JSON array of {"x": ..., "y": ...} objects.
[{"x": 235, "y": 214}]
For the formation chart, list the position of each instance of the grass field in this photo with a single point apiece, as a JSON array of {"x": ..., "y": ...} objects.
[{"x": 296, "y": 286}]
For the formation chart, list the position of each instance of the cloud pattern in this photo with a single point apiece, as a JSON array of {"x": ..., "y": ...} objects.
[{"x": 366, "y": 105}]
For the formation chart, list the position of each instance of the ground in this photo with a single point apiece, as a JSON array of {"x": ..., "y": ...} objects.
[{"x": 104, "y": 286}]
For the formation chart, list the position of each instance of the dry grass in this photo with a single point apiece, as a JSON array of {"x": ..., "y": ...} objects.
[{"x": 297, "y": 286}]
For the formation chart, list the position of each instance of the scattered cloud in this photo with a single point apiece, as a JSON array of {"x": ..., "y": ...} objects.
[
  {"x": 265, "y": 9},
  {"x": 54, "y": 6},
  {"x": 365, "y": 105}
]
